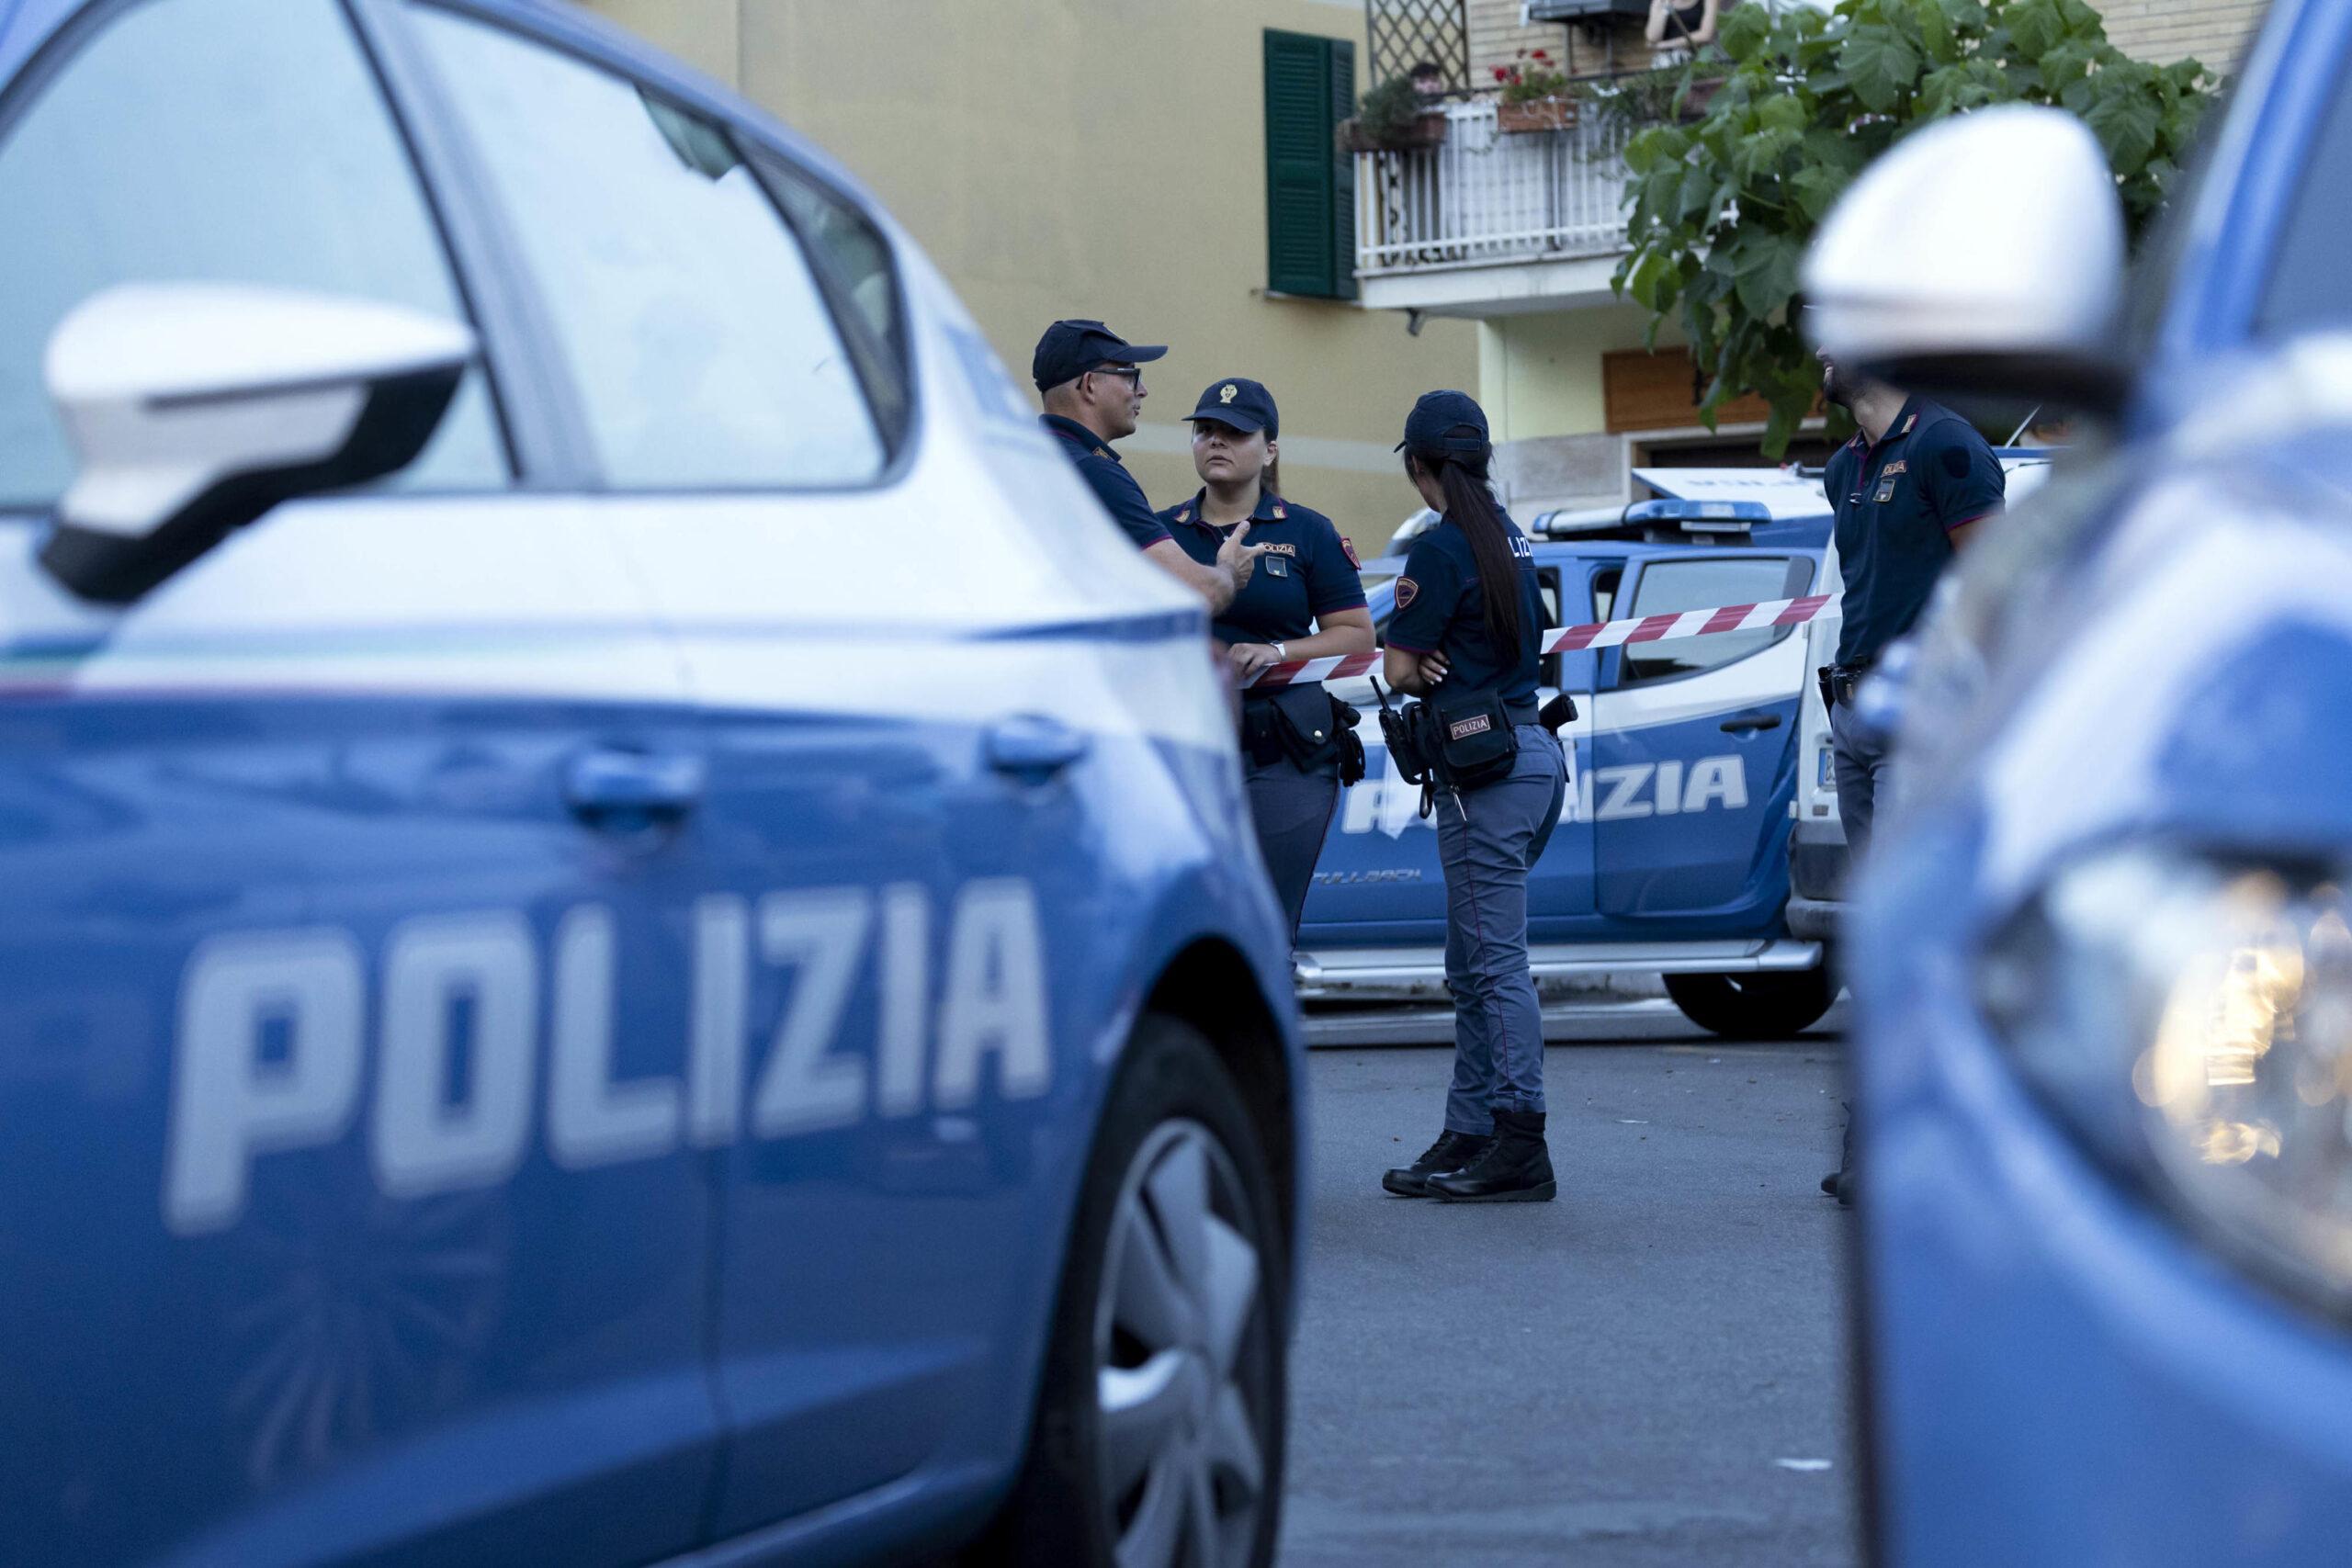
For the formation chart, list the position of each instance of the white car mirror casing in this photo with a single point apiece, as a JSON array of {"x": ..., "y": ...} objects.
[
  {"x": 197, "y": 406},
  {"x": 1982, "y": 254}
]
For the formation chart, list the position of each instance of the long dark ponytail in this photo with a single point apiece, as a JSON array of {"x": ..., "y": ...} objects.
[{"x": 1470, "y": 506}]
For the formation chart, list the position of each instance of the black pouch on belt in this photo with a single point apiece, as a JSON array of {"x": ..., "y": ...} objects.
[
  {"x": 1351, "y": 756},
  {"x": 1476, "y": 743},
  {"x": 1305, "y": 725}
]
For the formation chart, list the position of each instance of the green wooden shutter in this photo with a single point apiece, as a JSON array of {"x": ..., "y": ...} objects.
[
  {"x": 1343, "y": 171},
  {"x": 1308, "y": 78}
]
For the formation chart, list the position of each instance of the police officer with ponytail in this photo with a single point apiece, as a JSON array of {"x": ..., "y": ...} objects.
[
  {"x": 1469, "y": 619},
  {"x": 1304, "y": 600}
]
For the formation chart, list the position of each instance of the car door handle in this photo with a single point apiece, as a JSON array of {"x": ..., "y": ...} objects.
[
  {"x": 1744, "y": 723},
  {"x": 620, "y": 785},
  {"x": 1032, "y": 749}
]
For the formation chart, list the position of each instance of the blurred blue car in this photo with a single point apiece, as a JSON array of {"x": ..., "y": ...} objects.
[
  {"x": 595, "y": 966},
  {"x": 2101, "y": 949}
]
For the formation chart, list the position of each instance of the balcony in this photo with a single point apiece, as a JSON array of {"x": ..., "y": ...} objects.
[{"x": 1489, "y": 223}]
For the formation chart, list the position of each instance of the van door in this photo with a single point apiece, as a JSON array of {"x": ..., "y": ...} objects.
[{"x": 1693, "y": 750}]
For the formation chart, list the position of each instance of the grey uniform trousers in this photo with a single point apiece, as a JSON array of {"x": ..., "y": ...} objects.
[
  {"x": 1291, "y": 809},
  {"x": 1488, "y": 839}
]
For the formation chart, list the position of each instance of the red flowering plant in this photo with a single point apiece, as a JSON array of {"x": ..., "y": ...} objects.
[{"x": 1530, "y": 77}]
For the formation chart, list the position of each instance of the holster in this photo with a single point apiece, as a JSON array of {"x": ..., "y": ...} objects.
[{"x": 1298, "y": 722}]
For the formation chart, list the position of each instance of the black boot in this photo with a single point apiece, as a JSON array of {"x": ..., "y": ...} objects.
[
  {"x": 1451, "y": 1152},
  {"x": 1516, "y": 1168},
  {"x": 1839, "y": 1183}
]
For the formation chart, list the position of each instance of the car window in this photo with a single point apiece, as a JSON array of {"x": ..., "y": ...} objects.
[
  {"x": 212, "y": 142},
  {"x": 2306, "y": 286},
  {"x": 852, "y": 258},
  {"x": 699, "y": 341},
  {"x": 1669, "y": 587}
]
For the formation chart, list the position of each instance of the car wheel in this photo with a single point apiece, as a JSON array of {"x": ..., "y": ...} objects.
[
  {"x": 1753, "y": 1007},
  {"x": 1162, "y": 1418}
]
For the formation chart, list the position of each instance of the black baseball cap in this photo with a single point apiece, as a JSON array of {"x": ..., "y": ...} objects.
[
  {"x": 1069, "y": 349},
  {"x": 1244, "y": 404},
  {"x": 1445, "y": 424}
]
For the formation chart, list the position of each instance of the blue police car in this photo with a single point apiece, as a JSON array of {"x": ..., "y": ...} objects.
[
  {"x": 2104, "y": 963},
  {"x": 627, "y": 932},
  {"x": 1674, "y": 855}
]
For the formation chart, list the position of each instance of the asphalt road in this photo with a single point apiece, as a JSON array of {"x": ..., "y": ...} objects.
[{"x": 1649, "y": 1370}]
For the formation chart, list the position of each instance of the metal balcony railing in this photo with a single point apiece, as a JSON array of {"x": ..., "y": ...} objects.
[{"x": 1484, "y": 198}]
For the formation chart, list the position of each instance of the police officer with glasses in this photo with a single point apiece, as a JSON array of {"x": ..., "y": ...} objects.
[
  {"x": 1464, "y": 639},
  {"x": 1090, "y": 380},
  {"x": 1305, "y": 600}
]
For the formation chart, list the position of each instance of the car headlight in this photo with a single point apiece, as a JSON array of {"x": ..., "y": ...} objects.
[{"x": 2192, "y": 1016}]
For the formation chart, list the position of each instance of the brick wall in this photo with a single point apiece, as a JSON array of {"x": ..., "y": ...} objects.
[
  {"x": 2214, "y": 31},
  {"x": 1496, "y": 38}
]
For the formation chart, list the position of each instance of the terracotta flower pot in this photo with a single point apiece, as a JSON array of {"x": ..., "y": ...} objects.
[
  {"x": 1535, "y": 114},
  {"x": 1427, "y": 130}
]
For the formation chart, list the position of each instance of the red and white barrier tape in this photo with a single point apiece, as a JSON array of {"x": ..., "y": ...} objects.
[{"x": 1572, "y": 639}]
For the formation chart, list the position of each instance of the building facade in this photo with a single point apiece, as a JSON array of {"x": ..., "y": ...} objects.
[
  {"x": 1167, "y": 168},
  {"x": 1519, "y": 231}
]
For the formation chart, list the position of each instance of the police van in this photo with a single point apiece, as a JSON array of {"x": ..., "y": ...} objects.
[
  {"x": 1672, "y": 856},
  {"x": 2103, "y": 947},
  {"x": 628, "y": 930}
]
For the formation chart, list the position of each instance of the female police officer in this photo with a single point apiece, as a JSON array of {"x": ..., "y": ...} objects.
[
  {"x": 1305, "y": 582},
  {"x": 1469, "y": 618}
]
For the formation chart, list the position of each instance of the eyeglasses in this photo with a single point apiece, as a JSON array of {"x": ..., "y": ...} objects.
[{"x": 1131, "y": 374}]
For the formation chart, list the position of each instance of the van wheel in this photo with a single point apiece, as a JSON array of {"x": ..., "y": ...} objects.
[
  {"x": 1162, "y": 1418},
  {"x": 1754, "y": 1007}
]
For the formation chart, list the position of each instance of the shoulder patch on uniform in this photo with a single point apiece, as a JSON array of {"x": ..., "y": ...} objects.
[
  {"x": 1348, "y": 548},
  {"x": 1406, "y": 591},
  {"x": 1955, "y": 462}
]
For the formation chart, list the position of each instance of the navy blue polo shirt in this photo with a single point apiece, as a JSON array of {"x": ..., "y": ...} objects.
[
  {"x": 1113, "y": 485},
  {"x": 1440, "y": 610},
  {"x": 1897, "y": 503},
  {"x": 1307, "y": 569}
]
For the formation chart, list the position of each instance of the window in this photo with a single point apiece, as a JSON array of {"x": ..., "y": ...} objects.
[
  {"x": 1311, "y": 184},
  {"x": 213, "y": 141},
  {"x": 698, "y": 338},
  {"x": 853, "y": 261},
  {"x": 2306, "y": 287},
  {"x": 1667, "y": 587}
]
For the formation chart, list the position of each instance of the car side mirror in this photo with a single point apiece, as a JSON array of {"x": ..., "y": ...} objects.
[
  {"x": 1982, "y": 256},
  {"x": 195, "y": 408}
]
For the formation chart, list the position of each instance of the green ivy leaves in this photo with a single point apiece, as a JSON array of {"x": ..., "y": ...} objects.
[{"x": 1720, "y": 211}]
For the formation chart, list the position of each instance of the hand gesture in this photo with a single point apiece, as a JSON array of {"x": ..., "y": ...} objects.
[
  {"x": 1239, "y": 561},
  {"x": 1432, "y": 670}
]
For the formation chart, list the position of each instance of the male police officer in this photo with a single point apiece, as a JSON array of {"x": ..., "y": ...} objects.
[
  {"x": 1906, "y": 491},
  {"x": 1091, "y": 379}
]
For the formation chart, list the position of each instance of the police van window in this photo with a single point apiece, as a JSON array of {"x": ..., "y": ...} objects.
[
  {"x": 1668, "y": 587},
  {"x": 212, "y": 142},
  {"x": 699, "y": 341},
  {"x": 2306, "y": 287}
]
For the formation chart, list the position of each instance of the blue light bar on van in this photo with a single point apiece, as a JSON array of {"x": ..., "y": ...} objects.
[{"x": 1700, "y": 517}]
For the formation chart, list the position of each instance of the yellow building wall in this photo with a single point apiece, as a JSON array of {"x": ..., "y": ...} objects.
[
  {"x": 1540, "y": 375},
  {"x": 1097, "y": 158}
]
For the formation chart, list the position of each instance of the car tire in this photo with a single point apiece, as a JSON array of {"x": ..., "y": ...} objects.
[
  {"x": 1754, "y": 1007},
  {"x": 1164, "y": 1404}
]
